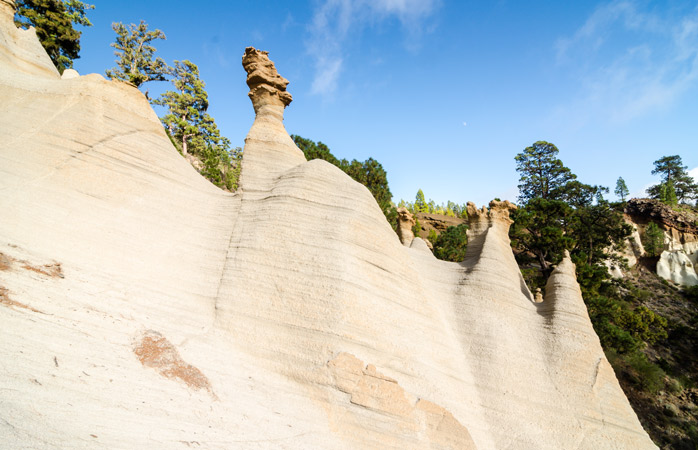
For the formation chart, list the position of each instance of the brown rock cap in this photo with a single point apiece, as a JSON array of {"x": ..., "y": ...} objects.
[{"x": 267, "y": 87}]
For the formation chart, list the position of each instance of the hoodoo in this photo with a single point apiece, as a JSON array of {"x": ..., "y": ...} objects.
[{"x": 144, "y": 308}]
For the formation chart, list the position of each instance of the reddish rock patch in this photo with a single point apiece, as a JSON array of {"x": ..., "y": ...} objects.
[
  {"x": 7, "y": 301},
  {"x": 154, "y": 351},
  {"x": 50, "y": 270}
]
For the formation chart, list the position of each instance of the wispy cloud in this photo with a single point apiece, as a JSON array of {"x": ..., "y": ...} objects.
[
  {"x": 334, "y": 21},
  {"x": 630, "y": 61}
]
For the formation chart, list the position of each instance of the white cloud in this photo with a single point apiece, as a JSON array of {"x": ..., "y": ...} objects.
[
  {"x": 630, "y": 61},
  {"x": 693, "y": 173},
  {"x": 334, "y": 21},
  {"x": 326, "y": 77},
  {"x": 465, "y": 124}
]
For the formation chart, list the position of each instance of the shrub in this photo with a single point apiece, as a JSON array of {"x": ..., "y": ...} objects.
[
  {"x": 692, "y": 293},
  {"x": 451, "y": 245},
  {"x": 432, "y": 236},
  {"x": 649, "y": 376}
]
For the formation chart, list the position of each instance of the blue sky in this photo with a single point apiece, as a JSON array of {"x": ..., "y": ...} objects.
[{"x": 445, "y": 93}]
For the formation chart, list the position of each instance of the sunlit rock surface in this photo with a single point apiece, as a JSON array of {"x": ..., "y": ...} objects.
[{"x": 142, "y": 307}]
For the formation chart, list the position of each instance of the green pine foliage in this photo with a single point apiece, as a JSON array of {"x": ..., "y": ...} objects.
[
  {"x": 417, "y": 227},
  {"x": 674, "y": 178},
  {"x": 621, "y": 189},
  {"x": 53, "y": 21},
  {"x": 542, "y": 174},
  {"x": 420, "y": 205},
  {"x": 670, "y": 193},
  {"x": 653, "y": 240},
  {"x": 136, "y": 62},
  {"x": 451, "y": 244},
  {"x": 193, "y": 131},
  {"x": 432, "y": 236}
]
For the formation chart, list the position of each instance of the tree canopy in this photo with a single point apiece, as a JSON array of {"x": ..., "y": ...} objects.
[
  {"x": 542, "y": 174},
  {"x": 193, "y": 131},
  {"x": 558, "y": 213},
  {"x": 677, "y": 185},
  {"x": 136, "y": 62},
  {"x": 53, "y": 21}
]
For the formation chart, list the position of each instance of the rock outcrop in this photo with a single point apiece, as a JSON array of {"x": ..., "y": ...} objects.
[
  {"x": 678, "y": 261},
  {"x": 405, "y": 222},
  {"x": 185, "y": 316}
]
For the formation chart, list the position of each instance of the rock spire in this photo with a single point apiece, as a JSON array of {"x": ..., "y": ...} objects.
[
  {"x": 267, "y": 87},
  {"x": 405, "y": 222}
]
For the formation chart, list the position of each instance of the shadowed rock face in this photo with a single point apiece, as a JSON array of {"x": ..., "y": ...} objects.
[{"x": 287, "y": 314}]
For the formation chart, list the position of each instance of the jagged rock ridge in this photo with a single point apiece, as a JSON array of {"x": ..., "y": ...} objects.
[{"x": 187, "y": 316}]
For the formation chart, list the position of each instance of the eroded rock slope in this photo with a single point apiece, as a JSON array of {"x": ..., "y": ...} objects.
[{"x": 144, "y": 308}]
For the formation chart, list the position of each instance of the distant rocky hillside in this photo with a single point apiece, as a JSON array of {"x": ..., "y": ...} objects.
[
  {"x": 677, "y": 254},
  {"x": 436, "y": 222}
]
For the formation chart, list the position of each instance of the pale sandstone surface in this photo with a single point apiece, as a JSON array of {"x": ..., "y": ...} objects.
[{"x": 144, "y": 308}]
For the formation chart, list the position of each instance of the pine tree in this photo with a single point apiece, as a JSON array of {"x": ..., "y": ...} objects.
[
  {"x": 672, "y": 168},
  {"x": 621, "y": 189},
  {"x": 193, "y": 130},
  {"x": 653, "y": 240},
  {"x": 136, "y": 61},
  {"x": 420, "y": 203},
  {"x": 187, "y": 106},
  {"x": 542, "y": 174},
  {"x": 670, "y": 196},
  {"x": 53, "y": 21}
]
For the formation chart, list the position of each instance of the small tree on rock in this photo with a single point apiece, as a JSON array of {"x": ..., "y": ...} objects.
[{"x": 136, "y": 61}]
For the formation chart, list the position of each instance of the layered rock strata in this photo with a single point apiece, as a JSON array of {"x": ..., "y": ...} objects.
[{"x": 186, "y": 316}]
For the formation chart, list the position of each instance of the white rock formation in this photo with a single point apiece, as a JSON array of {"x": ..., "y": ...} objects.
[
  {"x": 141, "y": 307},
  {"x": 677, "y": 267}
]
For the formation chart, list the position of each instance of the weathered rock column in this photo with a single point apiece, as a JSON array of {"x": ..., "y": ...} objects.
[
  {"x": 269, "y": 151},
  {"x": 405, "y": 222},
  {"x": 267, "y": 88}
]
